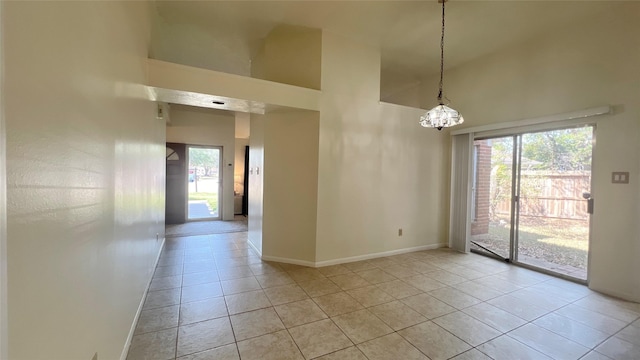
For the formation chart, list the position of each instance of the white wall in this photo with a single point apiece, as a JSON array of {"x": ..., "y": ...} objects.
[
  {"x": 256, "y": 181},
  {"x": 378, "y": 169},
  {"x": 290, "y": 185},
  {"x": 3, "y": 207},
  {"x": 85, "y": 176},
  {"x": 201, "y": 126},
  {"x": 587, "y": 65}
]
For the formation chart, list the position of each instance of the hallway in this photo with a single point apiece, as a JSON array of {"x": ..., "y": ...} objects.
[{"x": 213, "y": 298}]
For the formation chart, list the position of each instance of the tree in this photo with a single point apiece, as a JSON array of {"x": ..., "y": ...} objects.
[
  {"x": 559, "y": 150},
  {"x": 209, "y": 159}
]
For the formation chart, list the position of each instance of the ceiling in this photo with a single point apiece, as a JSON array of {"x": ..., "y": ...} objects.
[{"x": 408, "y": 32}]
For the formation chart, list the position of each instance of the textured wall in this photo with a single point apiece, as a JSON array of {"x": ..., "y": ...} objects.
[{"x": 85, "y": 164}]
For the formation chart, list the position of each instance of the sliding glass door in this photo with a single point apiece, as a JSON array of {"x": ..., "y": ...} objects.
[{"x": 531, "y": 199}]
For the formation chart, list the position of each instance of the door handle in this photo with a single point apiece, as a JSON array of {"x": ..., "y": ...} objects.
[{"x": 590, "y": 206}]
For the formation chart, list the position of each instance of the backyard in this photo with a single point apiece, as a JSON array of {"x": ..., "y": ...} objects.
[{"x": 562, "y": 242}]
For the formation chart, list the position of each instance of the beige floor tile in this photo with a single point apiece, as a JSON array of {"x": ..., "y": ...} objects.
[
  {"x": 370, "y": 296},
  {"x": 427, "y": 305},
  {"x": 165, "y": 283},
  {"x": 572, "y": 330},
  {"x": 505, "y": 347},
  {"x": 361, "y": 326},
  {"x": 619, "y": 349},
  {"x": 522, "y": 309},
  {"x": 275, "y": 346},
  {"x": 165, "y": 271},
  {"x": 470, "y": 330},
  {"x": 434, "y": 341},
  {"x": 631, "y": 333},
  {"x": 299, "y": 313},
  {"x": 334, "y": 270},
  {"x": 157, "y": 319},
  {"x": 399, "y": 271},
  {"x": 594, "y": 355},
  {"x": 285, "y": 294},
  {"x": 391, "y": 346},
  {"x": 351, "y": 353},
  {"x": 421, "y": 267},
  {"x": 424, "y": 282},
  {"x": 376, "y": 276},
  {"x": 349, "y": 281},
  {"x": 615, "y": 308},
  {"x": 161, "y": 298},
  {"x": 319, "y": 338},
  {"x": 446, "y": 277},
  {"x": 454, "y": 297},
  {"x": 592, "y": 319},
  {"x": 306, "y": 274},
  {"x": 255, "y": 323},
  {"x": 247, "y": 301},
  {"x": 497, "y": 284},
  {"x": 540, "y": 299},
  {"x": 201, "y": 292},
  {"x": 472, "y": 354},
  {"x": 234, "y": 272},
  {"x": 272, "y": 279},
  {"x": 359, "y": 265},
  {"x": 398, "y": 289},
  {"x": 202, "y": 310},
  {"x": 397, "y": 315},
  {"x": 494, "y": 317},
  {"x": 226, "y": 352},
  {"x": 315, "y": 288},
  {"x": 236, "y": 286},
  {"x": 159, "y": 345},
  {"x": 204, "y": 335},
  {"x": 549, "y": 343},
  {"x": 476, "y": 290},
  {"x": 198, "y": 266},
  {"x": 337, "y": 304},
  {"x": 265, "y": 267},
  {"x": 200, "y": 278}
]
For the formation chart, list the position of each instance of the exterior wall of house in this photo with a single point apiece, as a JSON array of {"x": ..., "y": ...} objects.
[{"x": 85, "y": 176}]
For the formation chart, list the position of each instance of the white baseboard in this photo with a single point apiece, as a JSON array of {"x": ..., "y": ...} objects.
[
  {"x": 255, "y": 248},
  {"x": 127, "y": 344},
  {"x": 351, "y": 258},
  {"x": 378, "y": 255},
  {"x": 288, "y": 261}
]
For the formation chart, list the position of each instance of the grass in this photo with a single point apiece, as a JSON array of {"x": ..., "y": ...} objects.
[
  {"x": 211, "y": 198},
  {"x": 562, "y": 242}
]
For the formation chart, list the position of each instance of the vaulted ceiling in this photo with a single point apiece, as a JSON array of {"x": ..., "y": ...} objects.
[{"x": 225, "y": 35}]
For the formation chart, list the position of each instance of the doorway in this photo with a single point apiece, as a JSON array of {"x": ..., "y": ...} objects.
[
  {"x": 203, "y": 183},
  {"x": 531, "y": 199}
]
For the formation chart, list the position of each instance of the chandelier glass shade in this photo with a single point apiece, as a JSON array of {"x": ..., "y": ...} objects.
[{"x": 441, "y": 116}]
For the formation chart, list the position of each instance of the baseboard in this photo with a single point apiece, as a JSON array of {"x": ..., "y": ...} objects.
[
  {"x": 288, "y": 261},
  {"x": 614, "y": 293},
  {"x": 378, "y": 255},
  {"x": 351, "y": 258},
  {"x": 255, "y": 248},
  {"x": 127, "y": 344}
]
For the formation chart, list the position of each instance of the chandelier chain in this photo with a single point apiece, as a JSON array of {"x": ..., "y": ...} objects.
[{"x": 441, "y": 56}]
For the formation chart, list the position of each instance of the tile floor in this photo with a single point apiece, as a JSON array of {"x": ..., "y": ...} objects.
[{"x": 212, "y": 297}]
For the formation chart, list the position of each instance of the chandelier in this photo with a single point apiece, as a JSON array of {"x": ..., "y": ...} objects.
[{"x": 441, "y": 116}]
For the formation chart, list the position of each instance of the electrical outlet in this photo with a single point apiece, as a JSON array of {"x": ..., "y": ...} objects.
[{"x": 400, "y": 232}]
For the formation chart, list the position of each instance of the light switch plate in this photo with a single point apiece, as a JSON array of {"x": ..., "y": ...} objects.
[{"x": 620, "y": 177}]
